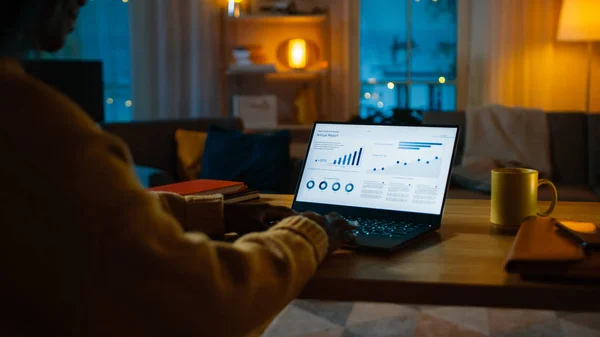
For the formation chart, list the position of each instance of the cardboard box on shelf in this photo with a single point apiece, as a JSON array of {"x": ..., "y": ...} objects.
[{"x": 257, "y": 111}]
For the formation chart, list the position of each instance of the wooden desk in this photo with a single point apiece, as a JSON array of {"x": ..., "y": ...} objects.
[{"x": 462, "y": 265}]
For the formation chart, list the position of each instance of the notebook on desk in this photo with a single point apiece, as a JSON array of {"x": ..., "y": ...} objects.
[
  {"x": 391, "y": 180},
  {"x": 540, "y": 248}
]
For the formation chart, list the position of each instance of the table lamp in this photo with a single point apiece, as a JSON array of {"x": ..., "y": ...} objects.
[
  {"x": 297, "y": 54},
  {"x": 580, "y": 22}
]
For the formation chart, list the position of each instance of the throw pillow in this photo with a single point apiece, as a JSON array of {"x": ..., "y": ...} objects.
[
  {"x": 152, "y": 177},
  {"x": 261, "y": 161},
  {"x": 190, "y": 149}
]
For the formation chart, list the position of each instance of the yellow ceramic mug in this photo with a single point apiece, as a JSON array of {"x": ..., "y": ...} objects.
[{"x": 515, "y": 196}]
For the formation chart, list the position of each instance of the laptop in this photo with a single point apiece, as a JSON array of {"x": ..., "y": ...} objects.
[{"x": 391, "y": 180}]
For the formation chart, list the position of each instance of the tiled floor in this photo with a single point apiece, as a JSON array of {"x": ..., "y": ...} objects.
[{"x": 344, "y": 319}]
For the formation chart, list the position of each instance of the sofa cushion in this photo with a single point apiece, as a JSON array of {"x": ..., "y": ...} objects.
[
  {"x": 190, "y": 149},
  {"x": 152, "y": 177},
  {"x": 593, "y": 136},
  {"x": 152, "y": 143},
  {"x": 567, "y": 145},
  {"x": 261, "y": 161}
]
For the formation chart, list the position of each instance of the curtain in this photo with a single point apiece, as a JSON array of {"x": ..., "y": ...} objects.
[
  {"x": 175, "y": 63},
  {"x": 515, "y": 59}
]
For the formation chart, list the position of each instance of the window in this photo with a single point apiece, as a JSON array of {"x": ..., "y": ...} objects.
[
  {"x": 407, "y": 55},
  {"x": 102, "y": 34}
]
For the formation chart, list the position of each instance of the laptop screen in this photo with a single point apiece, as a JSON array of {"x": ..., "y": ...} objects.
[{"x": 398, "y": 168}]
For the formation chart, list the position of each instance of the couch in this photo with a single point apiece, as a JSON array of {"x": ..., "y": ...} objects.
[
  {"x": 575, "y": 154},
  {"x": 154, "y": 150}
]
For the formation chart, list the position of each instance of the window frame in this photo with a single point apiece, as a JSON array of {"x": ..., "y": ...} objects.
[{"x": 462, "y": 55}]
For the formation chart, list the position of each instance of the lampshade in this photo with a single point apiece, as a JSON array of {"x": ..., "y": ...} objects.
[
  {"x": 579, "y": 20},
  {"x": 297, "y": 54}
]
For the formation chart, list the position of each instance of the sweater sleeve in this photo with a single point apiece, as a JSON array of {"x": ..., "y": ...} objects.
[
  {"x": 184, "y": 284},
  {"x": 195, "y": 213}
]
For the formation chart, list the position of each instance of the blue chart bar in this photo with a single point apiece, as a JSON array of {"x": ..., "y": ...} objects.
[
  {"x": 416, "y": 145},
  {"x": 358, "y": 159},
  {"x": 421, "y": 144},
  {"x": 350, "y": 159}
]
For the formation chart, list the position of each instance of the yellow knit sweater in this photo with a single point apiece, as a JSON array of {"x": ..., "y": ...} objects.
[{"x": 86, "y": 251}]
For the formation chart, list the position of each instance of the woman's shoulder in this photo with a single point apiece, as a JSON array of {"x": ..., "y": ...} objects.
[
  {"x": 46, "y": 126},
  {"x": 23, "y": 90}
]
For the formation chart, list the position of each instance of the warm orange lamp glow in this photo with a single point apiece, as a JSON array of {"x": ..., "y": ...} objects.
[
  {"x": 579, "y": 22},
  {"x": 297, "y": 54}
]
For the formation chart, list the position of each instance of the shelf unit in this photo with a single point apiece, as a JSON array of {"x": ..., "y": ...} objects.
[{"x": 270, "y": 31}]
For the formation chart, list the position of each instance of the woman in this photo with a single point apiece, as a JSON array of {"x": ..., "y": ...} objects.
[{"x": 85, "y": 251}]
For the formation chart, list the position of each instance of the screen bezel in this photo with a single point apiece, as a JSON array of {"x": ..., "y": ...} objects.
[{"x": 383, "y": 214}]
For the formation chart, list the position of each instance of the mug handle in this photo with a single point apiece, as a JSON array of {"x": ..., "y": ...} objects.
[{"x": 554, "y": 196}]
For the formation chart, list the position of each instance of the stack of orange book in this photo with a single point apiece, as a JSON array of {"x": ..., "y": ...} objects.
[{"x": 232, "y": 191}]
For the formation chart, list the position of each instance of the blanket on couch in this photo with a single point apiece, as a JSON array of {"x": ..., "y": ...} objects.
[{"x": 498, "y": 136}]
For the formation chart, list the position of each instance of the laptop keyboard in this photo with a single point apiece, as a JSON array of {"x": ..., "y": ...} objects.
[{"x": 387, "y": 228}]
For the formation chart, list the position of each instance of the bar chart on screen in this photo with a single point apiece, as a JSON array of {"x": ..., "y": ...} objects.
[{"x": 351, "y": 158}]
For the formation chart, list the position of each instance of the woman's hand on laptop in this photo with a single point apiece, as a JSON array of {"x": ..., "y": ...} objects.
[
  {"x": 339, "y": 231},
  {"x": 253, "y": 217}
]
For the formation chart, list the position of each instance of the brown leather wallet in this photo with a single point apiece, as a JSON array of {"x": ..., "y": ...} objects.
[{"x": 541, "y": 248}]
